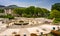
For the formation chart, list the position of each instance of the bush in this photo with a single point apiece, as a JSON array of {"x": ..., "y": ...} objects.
[
  {"x": 1, "y": 10},
  {"x": 57, "y": 20},
  {"x": 7, "y": 16},
  {"x": 27, "y": 15}
]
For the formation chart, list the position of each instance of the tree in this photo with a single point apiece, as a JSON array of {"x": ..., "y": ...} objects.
[
  {"x": 45, "y": 12},
  {"x": 38, "y": 12},
  {"x": 19, "y": 11},
  {"x": 55, "y": 14},
  {"x": 30, "y": 10},
  {"x": 56, "y": 6},
  {"x": 42, "y": 12}
]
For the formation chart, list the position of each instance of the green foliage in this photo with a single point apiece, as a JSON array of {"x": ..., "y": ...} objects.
[
  {"x": 57, "y": 20},
  {"x": 7, "y": 16},
  {"x": 38, "y": 12},
  {"x": 32, "y": 12},
  {"x": 45, "y": 13},
  {"x": 1, "y": 10},
  {"x": 19, "y": 11},
  {"x": 56, "y": 6},
  {"x": 55, "y": 14}
]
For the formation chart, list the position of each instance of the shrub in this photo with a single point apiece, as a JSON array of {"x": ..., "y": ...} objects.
[
  {"x": 57, "y": 20},
  {"x": 7, "y": 16}
]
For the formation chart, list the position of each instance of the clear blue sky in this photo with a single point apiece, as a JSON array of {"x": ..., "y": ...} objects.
[{"x": 25, "y": 3}]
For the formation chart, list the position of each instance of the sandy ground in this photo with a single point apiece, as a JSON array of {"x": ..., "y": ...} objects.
[{"x": 29, "y": 30}]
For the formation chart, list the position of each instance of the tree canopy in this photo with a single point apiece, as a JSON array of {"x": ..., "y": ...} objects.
[
  {"x": 55, "y": 12},
  {"x": 56, "y": 6},
  {"x": 32, "y": 11}
]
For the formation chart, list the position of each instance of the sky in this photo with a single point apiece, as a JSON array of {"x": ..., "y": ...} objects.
[{"x": 26, "y": 3}]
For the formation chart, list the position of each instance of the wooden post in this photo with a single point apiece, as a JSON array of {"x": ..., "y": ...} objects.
[{"x": 41, "y": 34}]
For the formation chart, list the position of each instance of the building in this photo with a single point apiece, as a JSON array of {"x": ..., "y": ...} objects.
[{"x": 8, "y": 9}]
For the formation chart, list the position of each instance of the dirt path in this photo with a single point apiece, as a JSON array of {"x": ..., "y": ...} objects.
[{"x": 24, "y": 31}]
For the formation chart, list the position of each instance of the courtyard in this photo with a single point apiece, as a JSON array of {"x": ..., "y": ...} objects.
[{"x": 33, "y": 27}]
